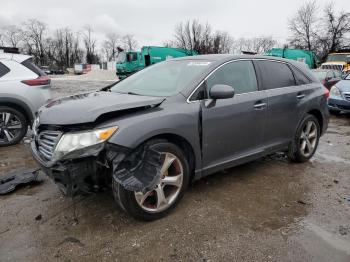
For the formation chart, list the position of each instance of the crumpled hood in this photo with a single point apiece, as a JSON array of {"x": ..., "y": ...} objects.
[
  {"x": 86, "y": 108},
  {"x": 343, "y": 85}
]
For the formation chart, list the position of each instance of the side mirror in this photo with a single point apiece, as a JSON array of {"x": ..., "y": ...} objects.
[{"x": 221, "y": 92}]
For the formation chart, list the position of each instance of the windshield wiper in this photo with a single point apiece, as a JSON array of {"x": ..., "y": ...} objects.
[{"x": 108, "y": 87}]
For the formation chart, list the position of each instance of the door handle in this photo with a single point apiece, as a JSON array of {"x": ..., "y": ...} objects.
[
  {"x": 300, "y": 96},
  {"x": 259, "y": 105}
]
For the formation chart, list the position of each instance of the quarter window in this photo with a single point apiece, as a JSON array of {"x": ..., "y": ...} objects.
[
  {"x": 3, "y": 70},
  {"x": 275, "y": 74},
  {"x": 300, "y": 78},
  {"x": 240, "y": 75}
]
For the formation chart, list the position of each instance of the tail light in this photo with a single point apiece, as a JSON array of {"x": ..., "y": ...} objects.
[
  {"x": 40, "y": 81},
  {"x": 326, "y": 93}
]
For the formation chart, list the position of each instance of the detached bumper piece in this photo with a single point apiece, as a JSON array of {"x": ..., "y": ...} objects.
[
  {"x": 137, "y": 170},
  {"x": 8, "y": 183}
]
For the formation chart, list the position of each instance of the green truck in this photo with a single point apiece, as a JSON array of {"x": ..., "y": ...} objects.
[
  {"x": 308, "y": 57},
  {"x": 133, "y": 61}
]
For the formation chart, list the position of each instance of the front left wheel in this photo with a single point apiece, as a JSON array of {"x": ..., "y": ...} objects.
[
  {"x": 13, "y": 126},
  {"x": 166, "y": 195}
]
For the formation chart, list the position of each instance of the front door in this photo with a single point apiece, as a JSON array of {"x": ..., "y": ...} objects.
[{"x": 233, "y": 128}]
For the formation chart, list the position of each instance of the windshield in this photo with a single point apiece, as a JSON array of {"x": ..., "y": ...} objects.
[
  {"x": 162, "y": 79},
  {"x": 338, "y": 58},
  {"x": 121, "y": 57}
]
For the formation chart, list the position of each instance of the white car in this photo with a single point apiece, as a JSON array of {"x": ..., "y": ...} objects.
[{"x": 24, "y": 88}]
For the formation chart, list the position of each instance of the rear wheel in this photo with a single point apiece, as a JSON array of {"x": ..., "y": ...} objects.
[
  {"x": 306, "y": 140},
  {"x": 165, "y": 196},
  {"x": 13, "y": 126}
]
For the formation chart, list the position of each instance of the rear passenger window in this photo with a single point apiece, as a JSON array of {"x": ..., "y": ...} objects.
[
  {"x": 275, "y": 74},
  {"x": 240, "y": 75},
  {"x": 3, "y": 70}
]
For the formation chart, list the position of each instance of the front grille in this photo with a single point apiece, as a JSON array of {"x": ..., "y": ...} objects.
[
  {"x": 46, "y": 142},
  {"x": 346, "y": 96},
  {"x": 334, "y": 67}
]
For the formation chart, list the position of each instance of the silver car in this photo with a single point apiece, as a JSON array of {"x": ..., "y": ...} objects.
[{"x": 24, "y": 88}]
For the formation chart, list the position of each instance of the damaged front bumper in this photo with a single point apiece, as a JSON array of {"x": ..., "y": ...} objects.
[{"x": 90, "y": 169}]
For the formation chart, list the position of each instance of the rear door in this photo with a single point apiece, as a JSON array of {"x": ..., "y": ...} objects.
[
  {"x": 233, "y": 128},
  {"x": 284, "y": 96}
]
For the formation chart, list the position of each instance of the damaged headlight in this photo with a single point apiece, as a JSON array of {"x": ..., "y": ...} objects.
[{"x": 74, "y": 141}]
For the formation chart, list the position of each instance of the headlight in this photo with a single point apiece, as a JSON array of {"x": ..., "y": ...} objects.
[
  {"x": 74, "y": 141},
  {"x": 334, "y": 91}
]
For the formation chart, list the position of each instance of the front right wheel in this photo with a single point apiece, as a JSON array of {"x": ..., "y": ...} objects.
[
  {"x": 13, "y": 126},
  {"x": 157, "y": 203},
  {"x": 306, "y": 139}
]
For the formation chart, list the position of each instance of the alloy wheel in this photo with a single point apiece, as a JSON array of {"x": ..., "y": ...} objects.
[
  {"x": 308, "y": 138},
  {"x": 168, "y": 189},
  {"x": 10, "y": 127}
]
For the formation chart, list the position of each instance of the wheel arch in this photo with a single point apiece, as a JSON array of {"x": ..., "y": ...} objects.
[
  {"x": 184, "y": 145},
  {"x": 18, "y": 105},
  {"x": 317, "y": 113}
]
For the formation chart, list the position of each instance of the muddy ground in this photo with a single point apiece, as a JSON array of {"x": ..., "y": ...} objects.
[{"x": 267, "y": 210}]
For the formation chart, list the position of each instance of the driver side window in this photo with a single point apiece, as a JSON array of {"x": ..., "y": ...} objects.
[{"x": 239, "y": 74}]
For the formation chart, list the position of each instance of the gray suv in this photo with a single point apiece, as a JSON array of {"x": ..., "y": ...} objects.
[{"x": 151, "y": 134}]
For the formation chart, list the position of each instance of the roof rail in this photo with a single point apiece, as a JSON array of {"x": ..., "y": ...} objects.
[{"x": 12, "y": 50}]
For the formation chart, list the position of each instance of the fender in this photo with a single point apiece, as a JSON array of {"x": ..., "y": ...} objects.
[
  {"x": 137, "y": 129},
  {"x": 10, "y": 101}
]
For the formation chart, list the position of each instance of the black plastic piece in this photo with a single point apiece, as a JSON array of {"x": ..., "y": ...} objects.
[{"x": 8, "y": 183}]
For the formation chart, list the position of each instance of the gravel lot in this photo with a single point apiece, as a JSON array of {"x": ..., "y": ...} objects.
[{"x": 267, "y": 210}]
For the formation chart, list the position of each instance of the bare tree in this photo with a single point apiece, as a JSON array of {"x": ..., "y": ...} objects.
[
  {"x": 259, "y": 45},
  {"x": 90, "y": 45},
  {"x": 336, "y": 28},
  {"x": 303, "y": 26},
  {"x": 34, "y": 37},
  {"x": 1, "y": 39},
  {"x": 110, "y": 46},
  {"x": 63, "y": 47},
  {"x": 12, "y": 35},
  {"x": 129, "y": 42},
  {"x": 222, "y": 43},
  {"x": 199, "y": 37}
]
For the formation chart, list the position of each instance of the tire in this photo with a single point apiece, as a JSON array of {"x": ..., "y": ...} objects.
[
  {"x": 148, "y": 209},
  {"x": 305, "y": 141},
  {"x": 9, "y": 119}
]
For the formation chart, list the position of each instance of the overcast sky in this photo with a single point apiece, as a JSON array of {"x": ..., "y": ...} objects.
[{"x": 153, "y": 21}]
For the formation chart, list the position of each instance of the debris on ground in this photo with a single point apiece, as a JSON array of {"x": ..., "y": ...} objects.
[
  {"x": 8, "y": 183},
  {"x": 72, "y": 240},
  {"x": 301, "y": 202},
  {"x": 38, "y": 217}
]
